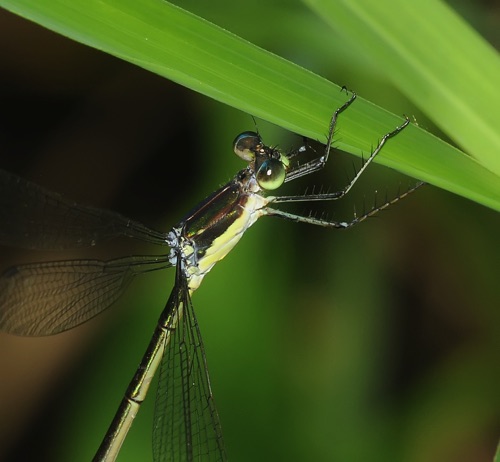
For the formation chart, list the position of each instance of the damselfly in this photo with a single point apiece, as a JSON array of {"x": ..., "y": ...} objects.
[{"x": 51, "y": 297}]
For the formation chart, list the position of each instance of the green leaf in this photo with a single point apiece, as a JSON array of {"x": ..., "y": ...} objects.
[
  {"x": 180, "y": 46},
  {"x": 436, "y": 59}
]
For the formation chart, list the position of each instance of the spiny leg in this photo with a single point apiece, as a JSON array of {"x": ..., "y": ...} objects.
[
  {"x": 318, "y": 164},
  {"x": 333, "y": 122},
  {"x": 340, "y": 224},
  {"x": 339, "y": 194}
]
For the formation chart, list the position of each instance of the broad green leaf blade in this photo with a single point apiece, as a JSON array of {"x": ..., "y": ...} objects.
[
  {"x": 193, "y": 52},
  {"x": 436, "y": 59}
]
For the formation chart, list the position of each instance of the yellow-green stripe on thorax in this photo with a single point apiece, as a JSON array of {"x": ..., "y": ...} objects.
[{"x": 210, "y": 231}]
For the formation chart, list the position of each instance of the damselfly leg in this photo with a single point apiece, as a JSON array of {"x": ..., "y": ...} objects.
[{"x": 46, "y": 298}]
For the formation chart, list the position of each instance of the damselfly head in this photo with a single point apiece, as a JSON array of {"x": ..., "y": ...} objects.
[{"x": 269, "y": 164}]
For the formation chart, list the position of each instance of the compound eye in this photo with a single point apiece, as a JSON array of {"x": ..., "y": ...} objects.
[
  {"x": 271, "y": 174},
  {"x": 246, "y": 144}
]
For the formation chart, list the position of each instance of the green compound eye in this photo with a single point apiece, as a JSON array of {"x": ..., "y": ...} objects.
[{"x": 271, "y": 174}]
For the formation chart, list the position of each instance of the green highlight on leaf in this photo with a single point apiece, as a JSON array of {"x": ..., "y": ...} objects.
[{"x": 193, "y": 52}]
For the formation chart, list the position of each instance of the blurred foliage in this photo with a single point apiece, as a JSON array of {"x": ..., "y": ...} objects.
[{"x": 377, "y": 344}]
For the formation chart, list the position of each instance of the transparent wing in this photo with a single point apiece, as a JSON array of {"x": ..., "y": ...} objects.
[
  {"x": 186, "y": 423},
  {"x": 32, "y": 217},
  {"x": 48, "y": 298}
]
